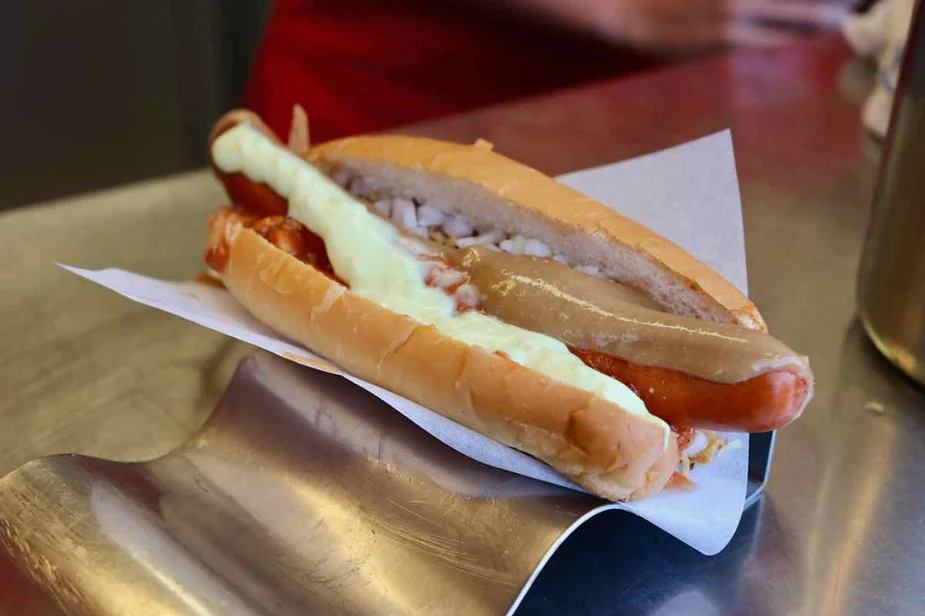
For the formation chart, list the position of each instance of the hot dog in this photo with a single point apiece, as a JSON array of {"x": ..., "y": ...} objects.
[{"x": 491, "y": 293}]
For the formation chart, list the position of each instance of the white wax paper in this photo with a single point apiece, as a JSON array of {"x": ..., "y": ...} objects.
[{"x": 688, "y": 193}]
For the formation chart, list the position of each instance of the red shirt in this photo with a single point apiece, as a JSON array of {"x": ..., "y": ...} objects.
[{"x": 365, "y": 65}]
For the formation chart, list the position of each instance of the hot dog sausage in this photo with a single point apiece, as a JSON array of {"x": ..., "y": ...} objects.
[
  {"x": 253, "y": 197},
  {"x": 759, "y": 404}
]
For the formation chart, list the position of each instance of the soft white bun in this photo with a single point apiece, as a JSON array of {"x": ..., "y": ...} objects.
[
  {"x": 496, "y": 192},
  {"x": 602, "y": 447}
]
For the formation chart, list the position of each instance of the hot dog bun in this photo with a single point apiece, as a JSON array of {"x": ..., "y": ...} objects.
[
  {"x": 611, "y": 451},
  {"x": 504, "y": 194},
  {"x": 602, "y": 447}
]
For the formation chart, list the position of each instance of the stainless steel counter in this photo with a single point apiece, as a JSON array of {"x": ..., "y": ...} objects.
[{"x": 839, "y": 530}]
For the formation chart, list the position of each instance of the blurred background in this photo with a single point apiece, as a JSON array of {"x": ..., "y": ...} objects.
[{"x": 107, "y": 92}]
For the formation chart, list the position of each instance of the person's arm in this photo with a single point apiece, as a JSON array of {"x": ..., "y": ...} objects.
[{"x": 679, "y": 25}]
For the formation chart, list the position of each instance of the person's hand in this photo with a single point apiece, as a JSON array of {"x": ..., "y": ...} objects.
[{"x": 681, "y": 25}]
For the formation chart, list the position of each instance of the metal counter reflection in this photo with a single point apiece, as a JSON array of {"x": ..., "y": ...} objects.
[
  {"x": 866, "y": 501},
  {"x": 301, "y": 494},
  {"x": 304, "y": 494}
]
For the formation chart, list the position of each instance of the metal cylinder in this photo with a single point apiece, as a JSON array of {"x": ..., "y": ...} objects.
[{"x": 891, "y": 283}]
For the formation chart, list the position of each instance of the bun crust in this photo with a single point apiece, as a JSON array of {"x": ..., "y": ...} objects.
[
  {"x": 627, "y": 250},
  {"x": 594, "y": 442}
]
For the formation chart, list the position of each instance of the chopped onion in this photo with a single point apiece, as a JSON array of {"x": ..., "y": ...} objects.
[
  {"x": 514, "y": 245},
  {"x": 458, "y": 226},
  {"x": 479, "y": 240},
  {"x": 467, "y": 297},
  {"x": 444, "y": 277},
  {"x": 561, "y": 258},
  {"x": 536, "y": 248},
  {"x": 403, "y": 213},
  {"x": 429, "y": 216}
]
